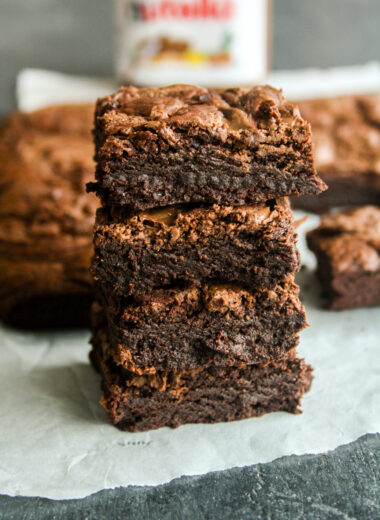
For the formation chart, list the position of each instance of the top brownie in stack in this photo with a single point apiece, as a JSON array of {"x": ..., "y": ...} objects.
[
  {"x": 180, "y": 144},
  {"x": 46, "y": 218}
]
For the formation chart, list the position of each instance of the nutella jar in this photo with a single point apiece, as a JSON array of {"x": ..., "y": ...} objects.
[{"x": 212, "y": 43}]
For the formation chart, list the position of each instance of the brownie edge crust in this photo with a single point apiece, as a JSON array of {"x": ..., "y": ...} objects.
[
  {"x": 205, "y": 395},
  {"x": 179, "y": 144}
]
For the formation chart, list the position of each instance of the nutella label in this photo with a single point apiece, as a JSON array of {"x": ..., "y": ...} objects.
[{"x": 205, "y": 42}]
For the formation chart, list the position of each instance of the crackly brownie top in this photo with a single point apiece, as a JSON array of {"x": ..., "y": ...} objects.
[
  {"x": 350, "y": 239},
  {"x": 346, "y": 133},
  {"x": 46, "y": 161},
  {"x": 259, "y": 114},
  {"x": 191, "y": 224}
]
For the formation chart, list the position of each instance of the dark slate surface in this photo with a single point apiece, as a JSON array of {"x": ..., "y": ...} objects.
[{"x": 341, "y": 485}]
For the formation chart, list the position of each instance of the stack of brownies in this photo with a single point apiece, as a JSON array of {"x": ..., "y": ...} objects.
[{"x": 198, "y": 314}]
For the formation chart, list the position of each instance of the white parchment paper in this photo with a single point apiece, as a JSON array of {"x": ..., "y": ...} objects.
[{"x": 55, "y": 441}]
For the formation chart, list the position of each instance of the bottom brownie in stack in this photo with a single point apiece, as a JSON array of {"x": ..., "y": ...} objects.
[{"x": 206, "y": 394}]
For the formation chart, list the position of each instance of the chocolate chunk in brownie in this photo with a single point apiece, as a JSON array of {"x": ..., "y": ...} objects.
[
  {"x": 46, "y": 218},
  {"x": 185, "y": 144},
  {"x": 207, "y": 394},
  {"x": 185, "y": 327},
  {"x": 346, "y": 135},
  {"x": 248, "y": 245},
  {"x": 347, "y": 246}
]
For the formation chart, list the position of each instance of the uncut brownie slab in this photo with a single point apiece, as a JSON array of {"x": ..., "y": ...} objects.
[
  {"x": 207, "y": 394},
  {"x": 248, "y": 245},
  {"x": 180, "y": 144},
  {"x": 347, "y": 247},
  {"x": 185, "y": 327},
  {"x": 46, "y": 218},
  {"x": 346, "y": 137}
]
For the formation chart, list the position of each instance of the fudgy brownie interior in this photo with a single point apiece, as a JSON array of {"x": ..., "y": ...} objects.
[{"x": 249, "y": 245}]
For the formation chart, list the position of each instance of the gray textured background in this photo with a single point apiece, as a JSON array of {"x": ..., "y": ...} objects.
[{"x": 77, "y": 36}]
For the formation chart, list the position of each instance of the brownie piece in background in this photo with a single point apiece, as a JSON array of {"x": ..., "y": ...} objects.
[
  {"x": 346, "y": 138},
  {"x": 186, "y": 327},
  {"x": 46, "y": 218},
  {"x": 180, "y": 144},
  {"x": 248, "y": 245},
  {"x": 207, "y": 394},
  {"x": 347, "y": 247}
]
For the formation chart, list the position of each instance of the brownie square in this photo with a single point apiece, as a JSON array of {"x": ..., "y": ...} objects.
[
  {"x": 207, "y": 394},
  {"x": 346, "y": 137},
  {"x": 180, "y": 328},
  {"x": 347, "y": 246},
  {"x": 184, "y": 144},
  {"x": 46, "y": 218},
  {"x": 247, "y": 245}
]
